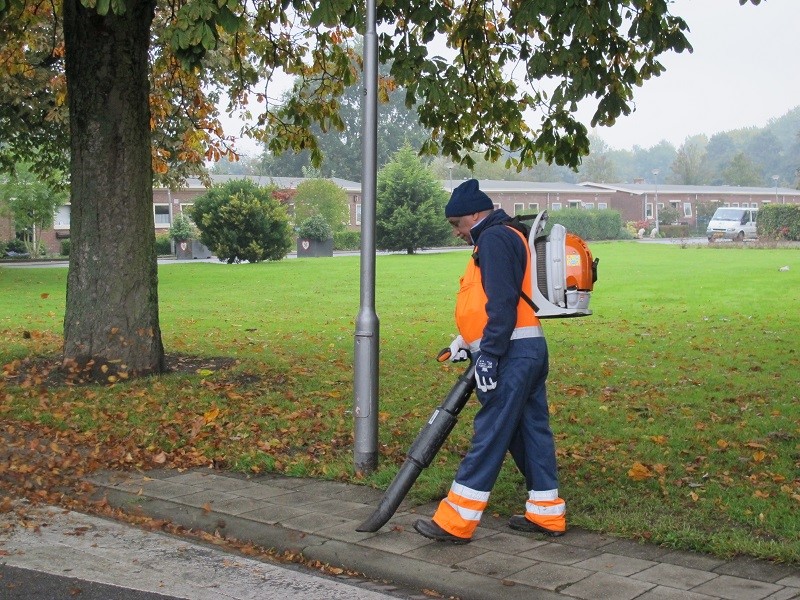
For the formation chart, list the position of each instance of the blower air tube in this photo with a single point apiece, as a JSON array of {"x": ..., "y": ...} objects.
[{"x": 423, "y": 450}]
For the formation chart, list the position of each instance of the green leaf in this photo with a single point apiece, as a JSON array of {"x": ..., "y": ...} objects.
[
  {"x": 103, "y": 6},
  {"x": 227, "y": 20}
]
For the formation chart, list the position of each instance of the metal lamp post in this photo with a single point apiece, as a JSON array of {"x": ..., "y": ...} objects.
[
  {"x": 365, "y": 384},
  {"x": 655, "y": 204},
  {"x": 775, "y": 178}
]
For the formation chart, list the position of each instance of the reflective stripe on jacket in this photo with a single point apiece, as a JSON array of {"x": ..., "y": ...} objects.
[{"x": 471, "y": 317}]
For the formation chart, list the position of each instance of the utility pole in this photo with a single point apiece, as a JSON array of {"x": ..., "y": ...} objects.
[{"x": 365, "y": 385}]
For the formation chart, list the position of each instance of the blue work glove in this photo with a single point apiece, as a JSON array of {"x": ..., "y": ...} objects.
[
  {"x": 458, "y": 350},
  {"x": 486, "y": 372}
]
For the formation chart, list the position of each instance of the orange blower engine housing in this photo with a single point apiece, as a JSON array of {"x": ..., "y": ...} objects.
[{"x": 564, "y": 271}]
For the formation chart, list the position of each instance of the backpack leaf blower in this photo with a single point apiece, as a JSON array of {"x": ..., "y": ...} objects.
[{"x": 564, "y": 274}]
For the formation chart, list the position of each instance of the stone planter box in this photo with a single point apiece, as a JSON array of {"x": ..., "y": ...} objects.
[
  {"x": 191, "y": 249},
  {"x": 314, "y": 248}
]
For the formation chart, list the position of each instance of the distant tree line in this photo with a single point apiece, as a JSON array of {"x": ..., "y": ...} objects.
[{"x": 740, "y": 157}]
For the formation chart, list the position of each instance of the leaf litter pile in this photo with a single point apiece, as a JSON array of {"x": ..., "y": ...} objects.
[{"x": 43, "y": 463}]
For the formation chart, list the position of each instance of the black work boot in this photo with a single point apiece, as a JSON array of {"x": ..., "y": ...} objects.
[
  {"x": 432, "y": 531},
  {"x": 520, "y": 523}
]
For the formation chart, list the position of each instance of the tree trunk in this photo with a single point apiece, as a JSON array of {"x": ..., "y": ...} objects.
[{"x": 111, "y": 323}]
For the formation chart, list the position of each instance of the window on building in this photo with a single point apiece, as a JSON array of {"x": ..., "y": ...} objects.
[
  {"x": 556, "y": 205},
  {"x": 496, "y": 206},
  {"x": 161, "y": 213},
  {"x": 62, "y": 217},
  {"x": 648, "y": 210},
  {"x": 358, "y": 214},
  {"x": 534, "y": 206},
  {"x": 575, "y": 204},
  {"x": 588, "y": 205},
  {"x": 754, "y": 205},
  {"x": 602, "y": 205},
  {"x": 687, "y": 209},
  {"x": 519, "y": 207}
]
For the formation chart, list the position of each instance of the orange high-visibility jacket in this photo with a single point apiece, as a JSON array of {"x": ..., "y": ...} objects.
[{"x": 471, "y": 317}]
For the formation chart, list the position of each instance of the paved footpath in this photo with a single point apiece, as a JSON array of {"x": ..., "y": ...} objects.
[
  {"x": 318, "y": 519},
  {"x": 56, "y": 554}
]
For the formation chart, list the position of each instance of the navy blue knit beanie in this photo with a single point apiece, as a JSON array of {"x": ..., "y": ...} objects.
[{"x": 467, "y": 199}]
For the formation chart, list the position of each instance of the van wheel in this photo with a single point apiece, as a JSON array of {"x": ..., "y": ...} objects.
[{"x": 739, "y": 237}]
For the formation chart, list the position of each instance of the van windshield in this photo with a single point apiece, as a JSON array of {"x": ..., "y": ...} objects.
[{"x": 728, "y": 214}]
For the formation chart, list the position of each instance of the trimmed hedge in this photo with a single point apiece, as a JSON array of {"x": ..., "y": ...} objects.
[
  {"x": 588, "y": 224},
  {"x": 779, "y": 222},
  {"x": 163, "y": 244},
  {"x": 347, "y": 240},
  {"x": 674, "y": 231}
]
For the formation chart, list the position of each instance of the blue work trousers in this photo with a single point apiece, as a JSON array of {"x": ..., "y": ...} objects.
[{"x": 514, "y": 417}]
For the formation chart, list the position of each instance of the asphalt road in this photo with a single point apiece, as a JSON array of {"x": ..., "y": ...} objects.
[{"x": 51, "y": 554}]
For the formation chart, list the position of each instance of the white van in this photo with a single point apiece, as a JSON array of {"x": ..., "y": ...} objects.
[{"x": 736, "y": 224}]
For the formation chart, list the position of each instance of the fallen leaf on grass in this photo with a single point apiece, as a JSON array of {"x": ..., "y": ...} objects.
[{"x": 639, "y": 472}]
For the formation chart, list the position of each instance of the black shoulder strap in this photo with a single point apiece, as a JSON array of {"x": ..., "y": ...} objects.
[{"x": 515, "y": 223}]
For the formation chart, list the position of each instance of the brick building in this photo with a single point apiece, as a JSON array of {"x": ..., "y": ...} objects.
[{"x": 634, "y": 201}]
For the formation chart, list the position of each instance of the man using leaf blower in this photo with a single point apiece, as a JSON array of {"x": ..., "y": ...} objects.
[{"x": 497, "y": 323}]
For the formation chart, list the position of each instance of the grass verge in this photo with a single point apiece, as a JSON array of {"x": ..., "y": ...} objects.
[{"x": 675, "y": 406}]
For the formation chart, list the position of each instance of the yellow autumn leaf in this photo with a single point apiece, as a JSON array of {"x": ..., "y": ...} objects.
[
  {"x": 759, "y": 456},
  {"x": 760, "y": 494},
  {"x": 639, "y": 472},
  {"x": 694, "y": 496},
  {"x": 722, "y": 444},
  {"x": 211, "y": 415}
]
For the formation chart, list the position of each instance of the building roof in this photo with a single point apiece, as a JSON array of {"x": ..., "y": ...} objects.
[
  {"x": 517, "y": 187},
  {"x": 500, "y": 186},
  {"x": 705, "y": 190}
]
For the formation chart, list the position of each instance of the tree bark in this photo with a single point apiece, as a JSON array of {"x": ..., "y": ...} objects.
[{"x": 111, "y": 323}]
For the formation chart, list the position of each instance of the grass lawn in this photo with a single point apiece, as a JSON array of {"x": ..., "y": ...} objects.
[{"x": 675, "y": 406}]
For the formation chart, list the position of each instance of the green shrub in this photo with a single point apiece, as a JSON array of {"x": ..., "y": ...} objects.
[
  {"x": 674, "y": 231},
  {"x": 589, "y": 224},
  {"x": 779, "y": 222},
  {"x": 242, "y": 221},
  {"x": 65, "y": 247},
  {"x": 163, "y": 244},
  {"x": 315, "y": 228},
  {"x": 15, "y": 245},
  {"x": 182, "y": 229},
  {"x": 347, "y": 240}
]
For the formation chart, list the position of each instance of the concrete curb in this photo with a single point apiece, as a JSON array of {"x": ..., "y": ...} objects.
[{"x": 318, "y": 520}]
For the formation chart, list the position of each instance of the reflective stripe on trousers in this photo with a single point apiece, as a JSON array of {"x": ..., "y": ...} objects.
[
  {"x": 460, "y": 513},
  {"x": 546, "y": 509}
]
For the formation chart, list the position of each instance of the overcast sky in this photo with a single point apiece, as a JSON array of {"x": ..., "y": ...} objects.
[{"x": 742, "y": 73}]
